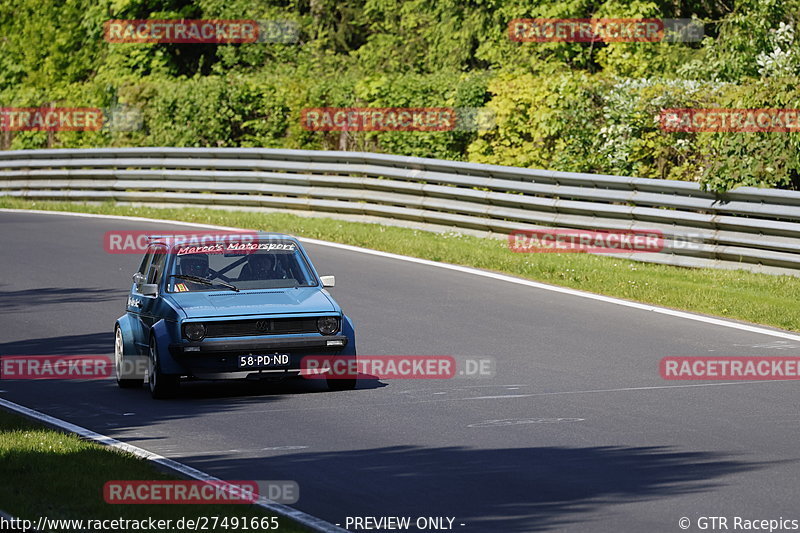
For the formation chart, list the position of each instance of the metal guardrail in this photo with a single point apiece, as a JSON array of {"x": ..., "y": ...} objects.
[{"x": 747, "y": 228}]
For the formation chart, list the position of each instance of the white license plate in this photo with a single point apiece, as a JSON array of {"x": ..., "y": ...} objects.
[{"x": 273, "y": 360}]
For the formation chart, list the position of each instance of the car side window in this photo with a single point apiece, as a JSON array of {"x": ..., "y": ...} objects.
[
  {"x": 145, "y": 261},
  {"x": 156, "y": 268},
  {"x": 141, "y": 275}
]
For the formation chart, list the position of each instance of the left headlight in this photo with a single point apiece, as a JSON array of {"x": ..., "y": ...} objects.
[
  {"x": 194, "y": 331},
  {"x": 328, "y": 325}
]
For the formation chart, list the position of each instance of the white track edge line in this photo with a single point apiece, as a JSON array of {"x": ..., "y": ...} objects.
[
  {"x": 458, "y": 268},
  {"x": 307, "y": 520}
]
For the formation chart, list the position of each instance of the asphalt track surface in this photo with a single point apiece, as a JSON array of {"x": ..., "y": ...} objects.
[{"x": 631, "y": 452}]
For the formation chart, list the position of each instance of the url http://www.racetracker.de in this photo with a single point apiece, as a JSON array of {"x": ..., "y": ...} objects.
[{"x": 195, "y": 523}]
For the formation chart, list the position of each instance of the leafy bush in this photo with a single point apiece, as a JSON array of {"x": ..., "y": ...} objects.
[{"x": 589, "y": 107}]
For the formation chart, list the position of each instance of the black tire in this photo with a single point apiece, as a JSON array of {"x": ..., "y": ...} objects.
[
  {"x": 339, "y": 384},
  {"x": 161, "y": 385},
  {"x": 122, "y": 381}
]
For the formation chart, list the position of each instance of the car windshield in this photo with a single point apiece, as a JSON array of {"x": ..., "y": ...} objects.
[{"x": 239, "y": 266}]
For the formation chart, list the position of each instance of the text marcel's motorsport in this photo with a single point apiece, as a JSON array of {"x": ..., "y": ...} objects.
[{"x": 238, "y": 247}]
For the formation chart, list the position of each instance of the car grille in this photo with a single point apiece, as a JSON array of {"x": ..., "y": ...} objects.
[{"x": 265, "y": 326}]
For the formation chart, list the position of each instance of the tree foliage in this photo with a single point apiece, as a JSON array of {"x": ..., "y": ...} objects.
[{"x": 589, "y": 107}]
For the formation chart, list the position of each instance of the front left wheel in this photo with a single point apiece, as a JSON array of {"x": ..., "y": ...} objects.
[
  {"x": 122, "y": 373},
  {"x": 161, "y": 385},
  {"x": 339, "y": 383}
]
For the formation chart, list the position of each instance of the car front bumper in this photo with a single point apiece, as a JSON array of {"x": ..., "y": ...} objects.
[{"x": 218, "y": 359}]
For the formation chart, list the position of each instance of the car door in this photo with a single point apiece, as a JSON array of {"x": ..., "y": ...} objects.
[
  {"x": 150, "y": 309},
  {"x": 144, "y": 308},
  {"x": 135, "y": 299}
]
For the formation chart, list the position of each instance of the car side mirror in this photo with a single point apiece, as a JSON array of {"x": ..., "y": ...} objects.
[
  {"x": 328, "y": 281},
  {"x": 149, "y": 289}
]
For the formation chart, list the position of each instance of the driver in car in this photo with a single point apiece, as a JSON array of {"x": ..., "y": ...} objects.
[{"x": 194, "y": 265}]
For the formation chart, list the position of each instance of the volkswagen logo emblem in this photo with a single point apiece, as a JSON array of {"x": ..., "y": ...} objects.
[{"x": 263, "y": 325}]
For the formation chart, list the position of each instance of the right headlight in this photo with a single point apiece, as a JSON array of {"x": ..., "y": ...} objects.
[
  {"x": 194, "y": 331},
  {"x": 328, "y": 325}
]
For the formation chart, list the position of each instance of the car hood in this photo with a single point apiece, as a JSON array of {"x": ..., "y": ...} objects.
[{"x": 256, "y": 302}]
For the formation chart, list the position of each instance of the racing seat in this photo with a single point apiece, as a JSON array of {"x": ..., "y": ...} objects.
[{"x": 261, "y": 267}]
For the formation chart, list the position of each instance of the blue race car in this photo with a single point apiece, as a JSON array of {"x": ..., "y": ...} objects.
[{"x": 245, "y": 308}]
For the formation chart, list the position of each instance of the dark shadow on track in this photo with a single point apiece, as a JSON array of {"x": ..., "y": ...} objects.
[
  {"x": 508, "y": 490},
  {"x": 87, "y": 344},
  {"x": 24, "y": 300},
  {"x": 76, "y": 400}
]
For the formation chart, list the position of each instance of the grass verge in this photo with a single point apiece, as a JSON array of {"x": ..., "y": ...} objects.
[
  {"x": 742, "y": 295},
  {"x": 47, "y": 473}
]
